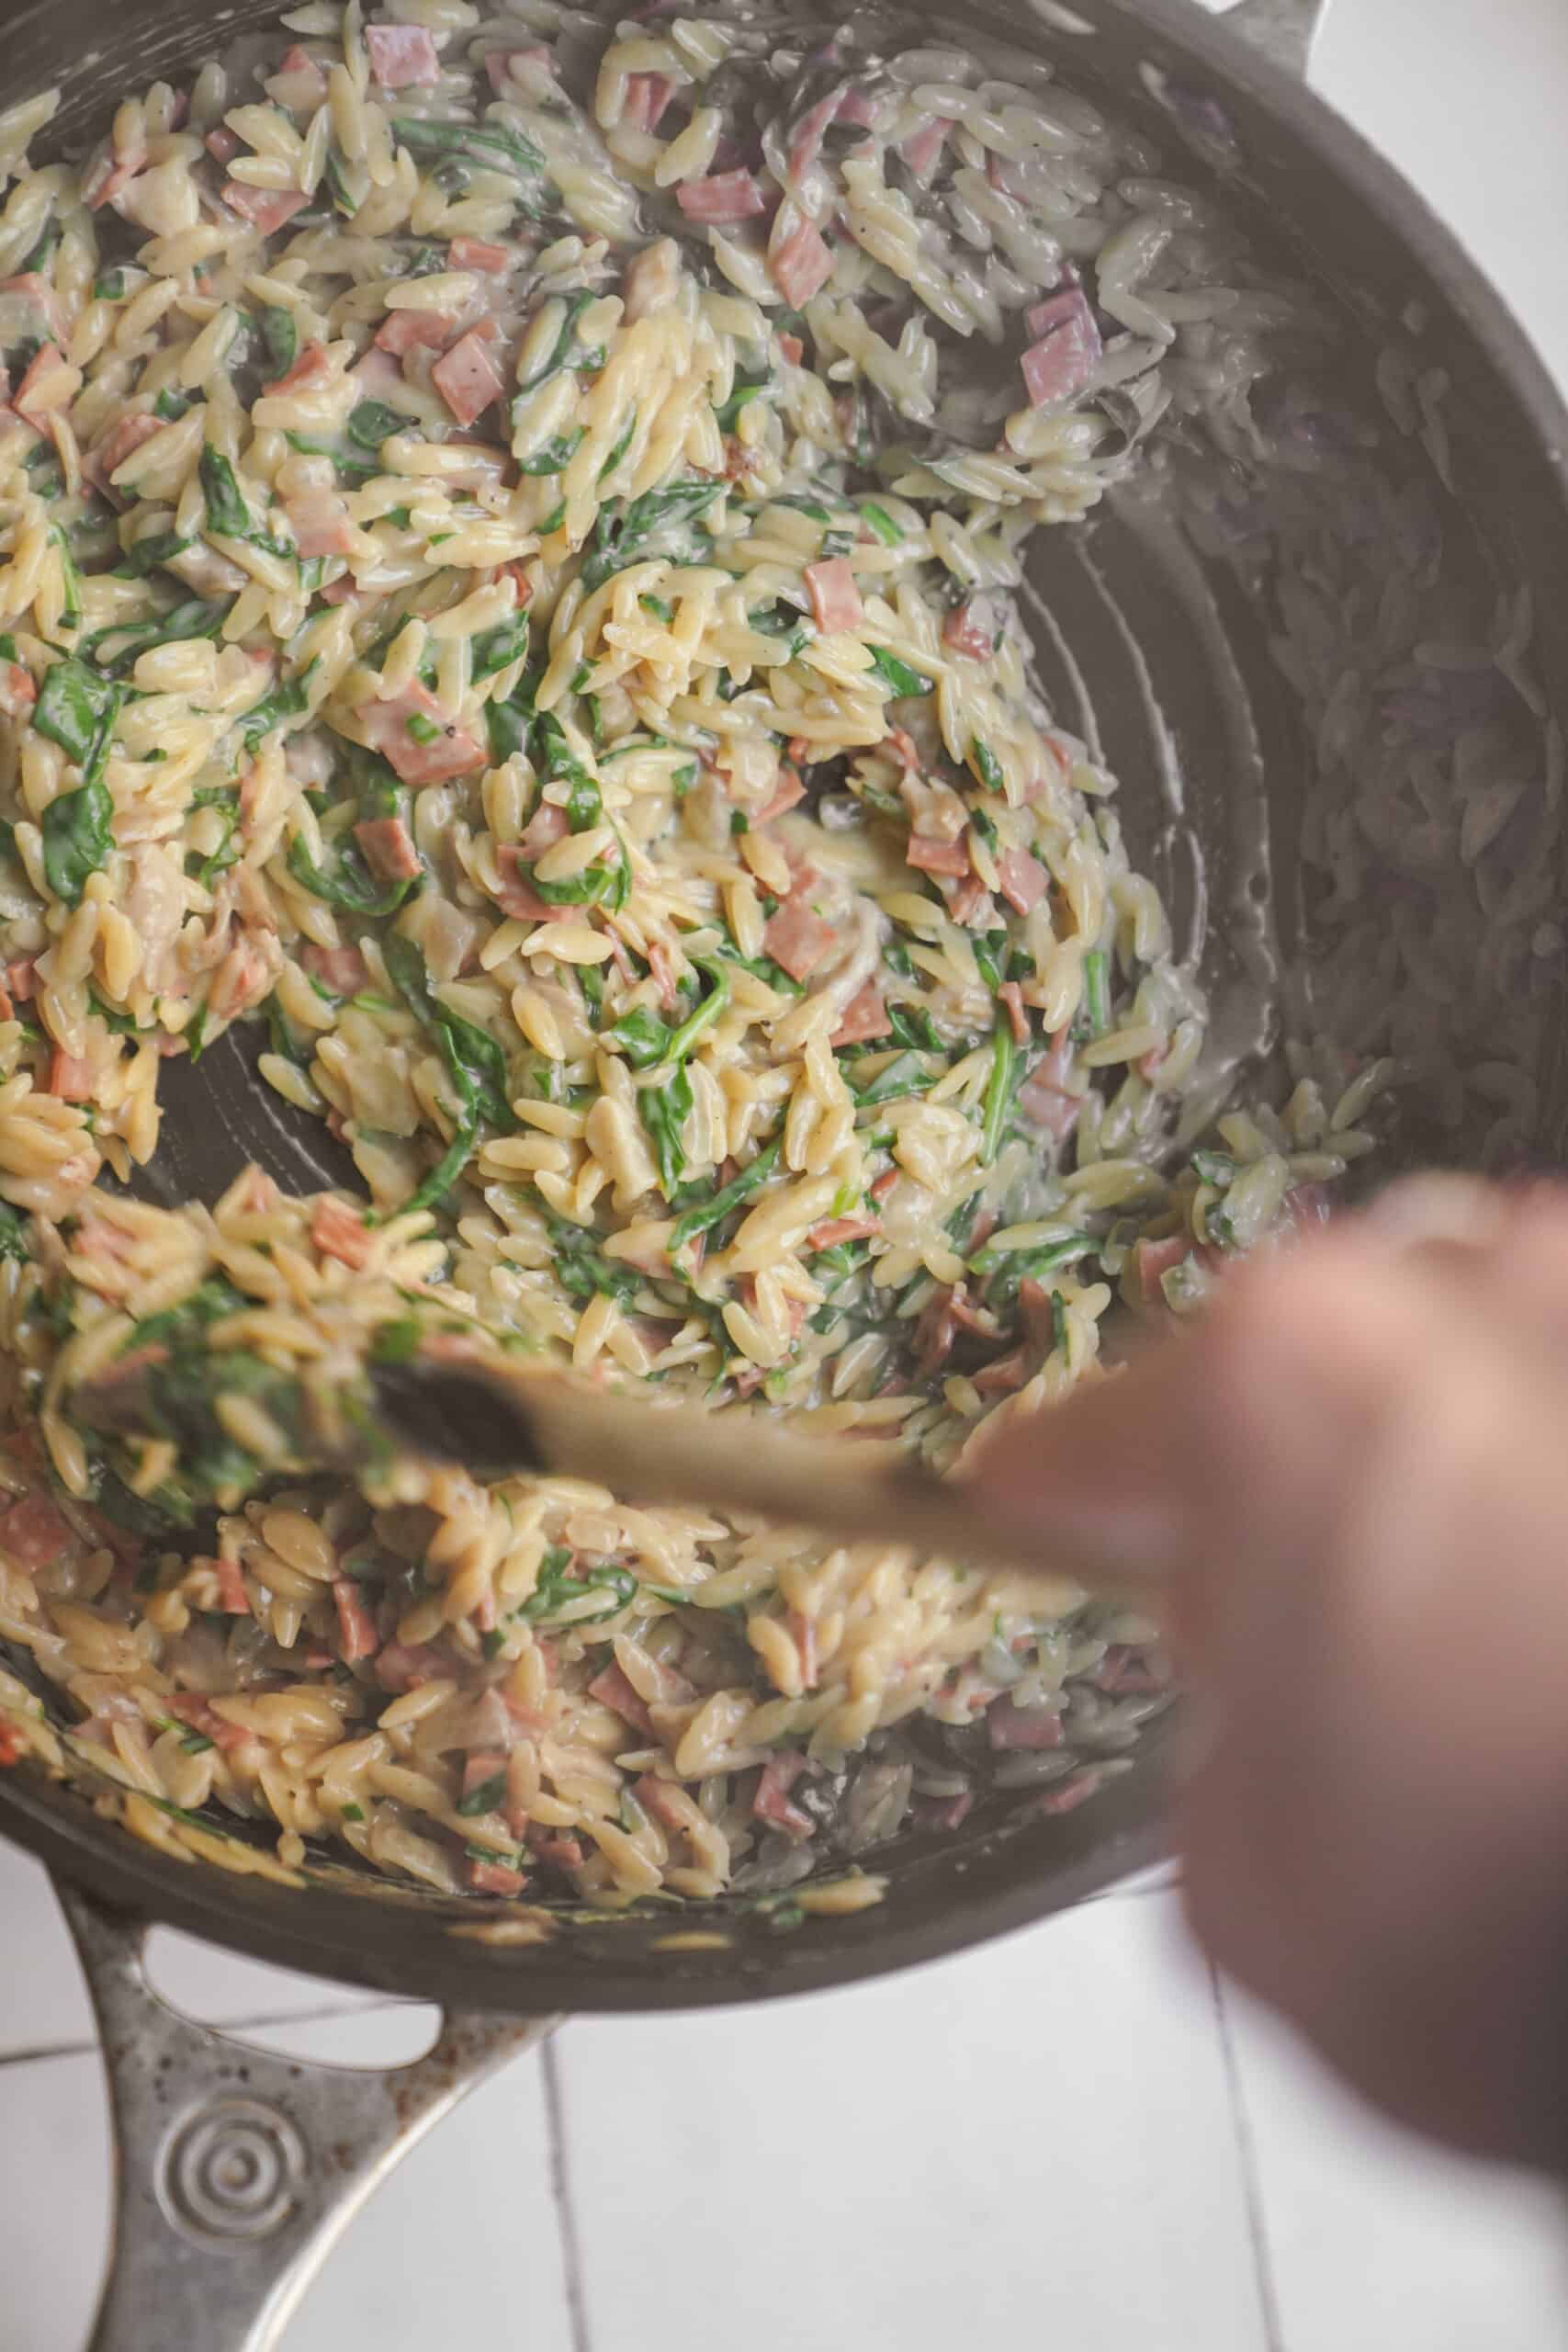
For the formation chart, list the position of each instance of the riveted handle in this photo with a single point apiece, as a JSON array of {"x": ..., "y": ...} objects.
[
  {"x": 1283, "y": 30},
  {"x": 236, "y": 2171}
]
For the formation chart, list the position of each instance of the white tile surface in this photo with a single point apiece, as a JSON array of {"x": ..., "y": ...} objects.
[
  {"x": 1038, "y": 2128},
  {"x": 1468, "y": 101},
  {"x": 1378, "y": 2243},
  {"x": 45, "y": 2005},
  {"x": 475, "y": 2198}
]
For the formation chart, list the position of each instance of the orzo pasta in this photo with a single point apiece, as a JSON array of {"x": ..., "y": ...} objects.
[{"x": 512, "y": 533}]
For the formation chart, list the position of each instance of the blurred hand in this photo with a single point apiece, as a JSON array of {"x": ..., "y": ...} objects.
[{"x": 1353, "y": 1476}]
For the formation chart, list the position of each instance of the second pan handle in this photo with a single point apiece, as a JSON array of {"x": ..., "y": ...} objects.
[{"x": 236, "y": 2171}]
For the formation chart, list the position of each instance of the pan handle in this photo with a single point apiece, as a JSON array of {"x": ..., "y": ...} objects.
[
  {"x": 237, "y": 2171},
  {"x": 1283, "y": 30}
]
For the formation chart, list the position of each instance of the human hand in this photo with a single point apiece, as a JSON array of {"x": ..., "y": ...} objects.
[{"x": 1352, "y": 1477}]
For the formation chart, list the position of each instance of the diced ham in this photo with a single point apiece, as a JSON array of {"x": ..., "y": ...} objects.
[
  {"x": 190, "y": 1708},
  {"x": 33, "y": 1531},
  {"x": 477, "y": 253},
  {"x": 232, "y": 1598},
  {"x": 612, "y": 1690},
  {"x": 478, "y": 1769},
  {"x": 647, "y": 94},
  {"x": 805, "y": 139},
  {"x": 20, "y": 979},
  {"x": 70, "y": 1077},
  {"x": 799, "y": 256},
  {"x": 1005, "y": 1375},
  {"x": 320, "y": 523},
  {"x": 660, "y": 1798},
  {"x": 402, "y": 332},
  {"x": 932, "y": 856},
  {"x": 1011, "y": 995},
  {"x": 726, "y": 197},
  {"x": 787, "y": 794},
  {"x": 468, "y": 378},
  {"x": 963, "y": 630},
  {"x": 1009, "y": 1726},
  {"x": 1151, "y": 1259},
  {"x": 835, "y": 599},
  {"x": 39, "y": 291},
  {"x": 547, "y": 826},
  {"x": 1024, "y": 879},
  {"x": 108, "y": 175},
  {"x": 661, "y": 966},
  {"x": 1070, "y": 1793},
  {"x": 922, "y": 147},
  {"x": 18, "y": 692},
  {"x": 834, "y": 1230},
  {"x": 517, "y": 896},
  {"x": 51, "y": 383},
  {"x": 453, "y": 751},
  {"x": 1127, "y": 1673},
  {"x": 771, "y": 1803},
  {"x": 797, "y": 939},
  {"x": 945, "y": 1813},
  {"x": 304, "y": 85},
  {"x": 1070, "y": 349},
  {"x": 792, "y": 348},
  {"x": 387, "y": 848},
  {"x": 494, "y": 1878},
  {"x": 221, "y": 144},
  {"x": 1046, "y": 1096},
  {"x": 562, "y": 1852},
  {"x": 341, "y": 971},
  {"x": 401, "y": 55},
  {"x": 864, "y": 1017},
  {"x": 339, "y": 1231},
  {"x": 402, "y": 1665},
  {"x": 12, "y": 1748},
  {"x": 265, "y": 208},
  {"x": 121, "y": 441},
  {"x": 857, "y": 106},
  {"x": 311, "y": 367}
]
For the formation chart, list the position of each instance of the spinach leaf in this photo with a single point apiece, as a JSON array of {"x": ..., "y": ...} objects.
[
  {"x": 998, "y": 1091},
  {"x": 499, "y": 648},
  {"x": 582, "y": 1270},
  {"x": 663, "y": 1110},
  {"x": 350, "y": 885},
  {"x": 1004, "y": 1271},
  {"x": 205, "y": 870},
  {"x": 77, "y": 709},
  {"x": 455, "y": 1158},
  {"x": 228, "y": 516},
  {"x": 13, "y": 1244},
  {"x": 487, "y": 144},
  {"x": 645, "y": 1039},
  {"x": 897, "y": 675},
  {"x": 881, "y": 523},
  {"x": 556, "y": 1590},
  {"x": 71, "y": 602},
  {"x": 552, "y": 456},
  {"x": 986, "y": 765},
  {"x": 621, "y": 532},
  {"x": 1096, "y": 992},
  {"x": 705, "y": 1215},
  {"x": 478, "y": 1056},
  {"x": 592, "y": 356},
  {"x": 373, "y": 421},
  {"x": 744, "y": 390},
  {"x": 281, "y": 337},
  {"x": 905, "y": 1074},
  {"x": 116, "y": 649},
  {"x": 149, "y": 554},
  {"x": 287, "y": 699}
]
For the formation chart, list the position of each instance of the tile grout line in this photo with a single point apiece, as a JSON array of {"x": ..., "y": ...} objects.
[
  {"x": 560, "y": 2190},
  {"x": 227, "y": 2026},
  {"x": 1251, "y": 2175}
]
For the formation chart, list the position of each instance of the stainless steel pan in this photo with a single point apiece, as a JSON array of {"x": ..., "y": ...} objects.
[{"x": 236, "y": 2174}]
